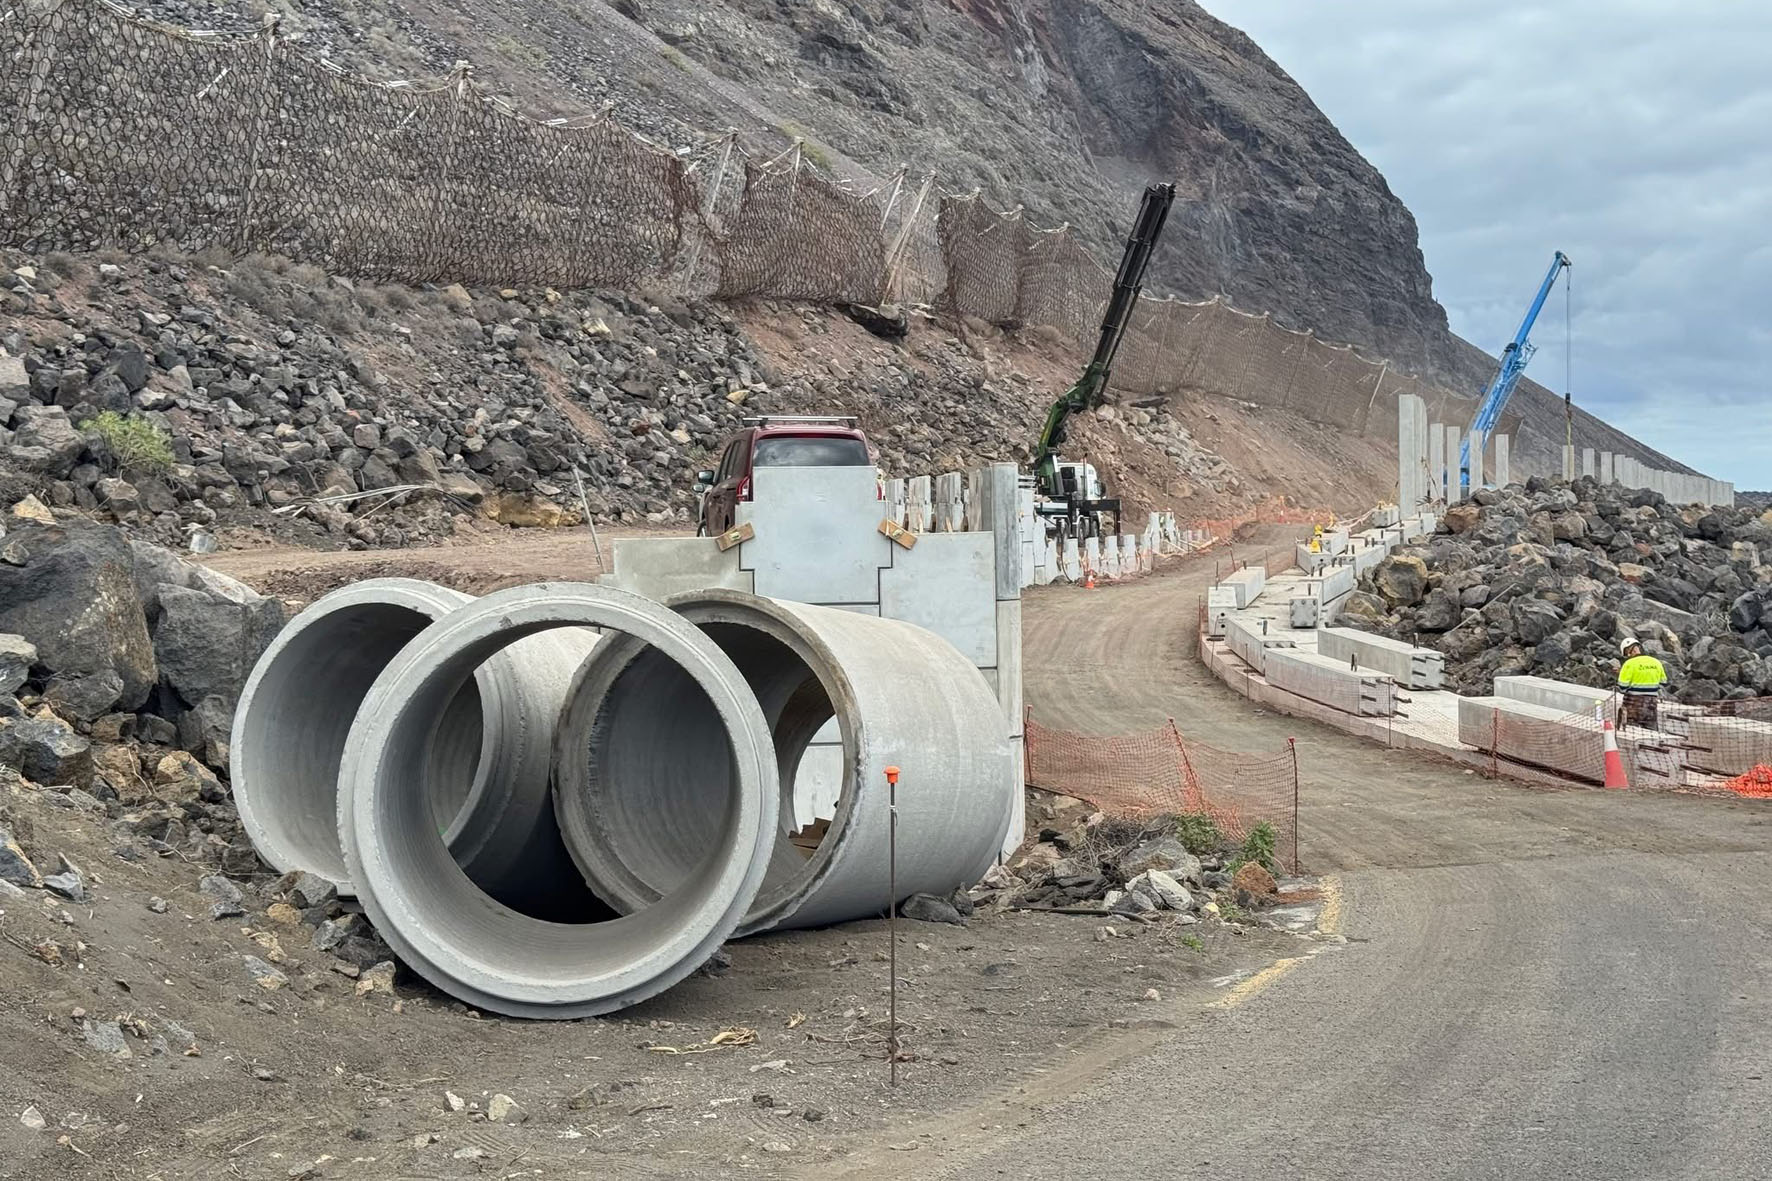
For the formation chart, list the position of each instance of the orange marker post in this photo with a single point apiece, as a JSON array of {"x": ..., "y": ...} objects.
[{"x": 892, "y": 923}]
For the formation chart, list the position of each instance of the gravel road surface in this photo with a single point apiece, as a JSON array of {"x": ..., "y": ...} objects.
[{"x": 1536, "y": 983}]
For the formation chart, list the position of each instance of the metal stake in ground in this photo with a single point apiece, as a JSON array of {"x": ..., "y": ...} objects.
[{"x": 892, "y": 923}]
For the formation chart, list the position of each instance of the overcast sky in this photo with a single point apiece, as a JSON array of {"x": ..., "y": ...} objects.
[{"x": 1635, "y": 136}]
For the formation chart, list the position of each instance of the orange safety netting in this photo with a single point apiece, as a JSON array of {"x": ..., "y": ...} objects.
[
  {"x": 1157, "y": 772},
  {"x": 1756, "y": 784}
]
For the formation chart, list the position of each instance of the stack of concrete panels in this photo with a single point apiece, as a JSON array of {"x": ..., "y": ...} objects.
[
  {"x": 1252, "y": 644},
  {"x": 1332, "y": 683},
  {"x": 1540, "y": 736},
  {"x": 1415, "y": 668},
  {"x": 1729, "y": 746},
  {"x": 1564, "y": 696},
  {"x": 1247, "y": 584}
]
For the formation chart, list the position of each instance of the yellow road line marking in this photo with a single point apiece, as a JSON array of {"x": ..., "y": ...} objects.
[{"x": 1328, "y": 922}]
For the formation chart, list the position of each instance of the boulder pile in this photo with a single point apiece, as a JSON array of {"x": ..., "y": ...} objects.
[{"x": 1547, "y": 577}]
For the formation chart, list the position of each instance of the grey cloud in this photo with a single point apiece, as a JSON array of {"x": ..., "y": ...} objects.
[{"x": 1632, "y": 135}]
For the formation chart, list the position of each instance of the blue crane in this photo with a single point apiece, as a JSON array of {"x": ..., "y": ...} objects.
[{"x": 1513, "y": 366}]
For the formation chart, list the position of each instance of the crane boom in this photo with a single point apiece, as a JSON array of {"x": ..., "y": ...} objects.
[
  {"x": 1127, "y": 284},
  {"x": 1519, "y": 350}
]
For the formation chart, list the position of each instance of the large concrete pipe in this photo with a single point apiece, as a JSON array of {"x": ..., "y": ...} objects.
[
  {"x": 466, "y": 942},
  {"x": 488, "y": 773},
  {"x": 637, "y": 759}
]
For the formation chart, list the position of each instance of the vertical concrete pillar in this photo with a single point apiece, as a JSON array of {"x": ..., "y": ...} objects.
[
  {"x": 1606, "y": 473},
  {"x": 895, "y": 501},
  {"x": 1476, "y": 473},
  {"x": 1454, "y": 439},
  {"x": 1436, "y": 461},
  {"x": 1568, "y": 461},
  {"x": 1410, "y": 410},
  {"x": 949, "y": 493},
  {"x": 1589, "y": 460},
  {"x": 1504, "y": 474}
]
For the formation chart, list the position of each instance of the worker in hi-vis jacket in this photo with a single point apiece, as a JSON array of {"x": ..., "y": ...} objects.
[{"x": 1640, "y": 680}]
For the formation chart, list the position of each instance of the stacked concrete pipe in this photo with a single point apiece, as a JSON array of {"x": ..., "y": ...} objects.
[
  {"x": 488, "y": 770},
  {"x": 465, "y": 941},
  {"x": 638, "y": 764}
]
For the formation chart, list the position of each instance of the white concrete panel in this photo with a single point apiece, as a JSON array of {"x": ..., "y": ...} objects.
[
  {"x": 1246, "y": 584},
  {"x": 895, "y": 502},
  {"x": 919, "y": 511},
  {"x": 950, "y": 495},
  {"x": 819, "y": 780},
  {"x": 659, "y": 567},
  {"x": 1436, "y": 461},
  {"x": 1568, "y": 462},
  {"x": 1606, "y": 470},
  {"x": 1009, "y": 666},
  {"x": 1071, "y": 563},
  {"x": 1454, "y": 439},
  {"x": 1000, "y": 516},
  {"x": 1564, "y": 696},
  {"x": 1504, "y": 472},
  {"x": 1476, "y": 462},
  {"x": 818, "y": 534},
  {"x": 1589, "y": 463},
  {"x": 945, "y": 585}
]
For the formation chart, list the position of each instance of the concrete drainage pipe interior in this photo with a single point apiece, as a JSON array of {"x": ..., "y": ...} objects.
[
  {"x": 488, "y": 781},
  {"x": 637, "y": 813},
  {"x": 466, "y": 941}
]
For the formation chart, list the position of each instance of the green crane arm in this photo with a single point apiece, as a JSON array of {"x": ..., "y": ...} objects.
[{"x": 1086, "y": 394}]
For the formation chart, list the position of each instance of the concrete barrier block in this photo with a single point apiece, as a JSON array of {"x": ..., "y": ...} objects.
[
  {"x": 1389, "y": 514},
  {"x": 1335, "y": 582},
  {"x": 1368, "y": 556},
  {"x": 1251, "y": 644},
  {"x": 1598, "y": 704},
  {"x": 950, "y": 497},
  {"x": 1247, "y": 583},
  {"x": 919, "y": 502},
  {"x": 1305, "y": 560},
  {"x": 1220, "y": 602},
  {"x": 659, "y": 567},
  {"x": 1305, "y": 611},
  {"x": 1415, "y": 668},
  {"x": 1332, "y": 683},
  {"x": 1334, "y": 541},
  {"x": 1730, "y": 746},
  {"x": 1539, "y": 736}
]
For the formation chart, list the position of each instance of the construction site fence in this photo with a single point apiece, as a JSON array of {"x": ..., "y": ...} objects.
[
  {"x": 1158, "y": 772},
  {"x": 116, "y": 133}
]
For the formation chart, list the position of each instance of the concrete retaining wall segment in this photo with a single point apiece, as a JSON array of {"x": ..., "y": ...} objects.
[
  {"x": 1568, "y": 698},
  {"x": 1729, "y": 746},
  {"x": 1329, "y": 682},
  {"x": 1415, "y": 668}
]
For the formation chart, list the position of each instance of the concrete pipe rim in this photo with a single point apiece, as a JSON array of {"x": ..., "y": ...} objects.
[
  {"x": 604, "y": 868},
  {"x": 265, "y": 816},
  {"x": 457, "y": 936}
]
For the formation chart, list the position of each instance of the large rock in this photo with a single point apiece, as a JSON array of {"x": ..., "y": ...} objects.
[
  {"x": 45, "y": 441},
  {"x": 1535, "y": 619},
  {"x": 206, "y": 645},
  {"x": 15, "y": 867},
  {"x": 74, "y": 597},
  {"x": 1401, "y": 579},
  {"x": 1162, "y": 852},
  {"x": 18, "y": 654},
  {"x": 1439, "y": 612},
  {"x": 84, "y": 697},
  {"x": 1462, "y": 518},
  {"x": 45, "y": 750}
]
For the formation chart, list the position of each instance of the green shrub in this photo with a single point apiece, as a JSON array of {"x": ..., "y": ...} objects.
[
  {"x": 1258, "y": 846},
  {"x": 1198, "y": 833},
  {"x": 135, "y": 443}
]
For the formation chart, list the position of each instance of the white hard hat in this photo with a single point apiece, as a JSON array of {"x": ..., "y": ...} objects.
[{"x": 1626, "y": 644}]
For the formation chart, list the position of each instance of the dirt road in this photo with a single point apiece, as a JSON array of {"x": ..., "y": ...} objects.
[{"x": 1536, "y": 984}]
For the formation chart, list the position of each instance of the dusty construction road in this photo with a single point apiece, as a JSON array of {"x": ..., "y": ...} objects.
[{"x": 1537, "y": 984}]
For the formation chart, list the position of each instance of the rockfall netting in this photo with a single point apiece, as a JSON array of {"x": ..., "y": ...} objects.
[
  {"x": 1158, "y": 772},
  {"x": 119, "y": 133}
]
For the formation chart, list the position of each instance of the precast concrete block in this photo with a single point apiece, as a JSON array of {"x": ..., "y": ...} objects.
[
  {"x": 818, "y": 535},
  {"x": 659, "y": 567},
  {"x": 895, "y": 502},
  {"x": 1504, "y": 472},
  {"x": 999, "y": 515},
  {"x": 1332, "y": 683},
  {"x": 1071, "y": 562},
  {"x": 1412, "y": 667},
  {"x": 1129, "y": 555},
  {"x": 1389, "y": 514},
  {"x": 1335, "y": 541},
  {"x": 1367, "y": 556},
  {"x": 1568, "y": 461},
  {"x": 1539, "y": 736},
  {"x": 1305, "y": 611},
  {"x": 1436, "y": 461},
  {"x": 819, "y": 780},
  {"x": 1246, "y": 583},
  {"x": 1729, "y": 746},
  {"x": 1335, "y": 582},
  {"x": 1608, "y": 473},
  {"x": 1009, "y": 664},
  {"x": 1032, "y": 532},
  {"x": 945, "y": 584},
  {"x": 919, "y": 504},
  {"x": 1251, "y": 643},
  {"x": 1221, "y": 601},
  {"x": 1589, "y": 463},
  {"x": 950, "y": 502},
  {"x": 1475, "y": 480},
  {"x": 1454, "y": 472},
  {"x": 976, "y": 479},
  {"x": 1307, "y": 561},
  {"x": 1092, "y": 554},
  {"x": 1564, "y": 696}
]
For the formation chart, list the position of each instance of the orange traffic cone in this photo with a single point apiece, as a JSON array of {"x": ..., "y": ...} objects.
[{"x": 1615, "y": 776}]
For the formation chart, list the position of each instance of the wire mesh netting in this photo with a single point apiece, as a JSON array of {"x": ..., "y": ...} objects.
[
  {"x": 1158, "y": 772},
  {"x": 121, "y": 133},
  {"x": 800, "y": 236}
]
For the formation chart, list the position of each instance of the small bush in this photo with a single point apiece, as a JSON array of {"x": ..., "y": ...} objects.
[
  {"x": 1198, "y": 833},
  {"x": 1258, "y": 847},
  {"x": 136, "y": 444}
]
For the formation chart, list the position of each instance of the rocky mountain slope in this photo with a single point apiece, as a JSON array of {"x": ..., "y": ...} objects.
[{"x": 1548, "y": 577}]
